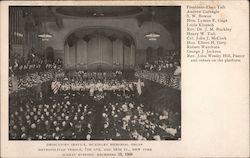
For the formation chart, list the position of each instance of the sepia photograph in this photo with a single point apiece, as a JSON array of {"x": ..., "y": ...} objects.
[
  {"x": 131, "y": 79},
  {"x": 94, "y": 73}
]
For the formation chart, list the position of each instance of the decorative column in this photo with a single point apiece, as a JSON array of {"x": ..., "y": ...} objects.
[
  {"x": 66, "y": 55},
  {"x": 123, "y": 50},
  {"x": 85, "y": 51},
  {"x": 112, "y": 39},
  {"x": 132, "y": 55},
  {"x": 75, "y": 45}
]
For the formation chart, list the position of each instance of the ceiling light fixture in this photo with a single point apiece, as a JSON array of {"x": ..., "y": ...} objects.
[
  {"x": 18, "y": 34},
  {"x": 152, "y": 36},
  {"x": 45, "y": 33}
]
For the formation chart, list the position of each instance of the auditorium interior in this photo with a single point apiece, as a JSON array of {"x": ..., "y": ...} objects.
[{"x": 94, "y": 73}]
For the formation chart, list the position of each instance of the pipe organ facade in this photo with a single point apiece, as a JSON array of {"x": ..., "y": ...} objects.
[{"x": 99, "y": 51}]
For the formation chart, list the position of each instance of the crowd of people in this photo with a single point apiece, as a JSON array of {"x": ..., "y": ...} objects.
[
  {"x": 165, "y": 70},
  {"x": 132, "y": 121},
  {"x": 35, "y": 62},
  {"x": 166, "y": 79},
  {"x": 93, "y": 85},
  {"x": 31, "y": 80},
  {"x": 26, "y": 73},
  {"x": 85, "y": 105},
  {"x": 70, "y": 115},
  {"x": 60, "y": 119},
  {"x": 168, "y": 63},
  {"x": 99, "y": 74}
]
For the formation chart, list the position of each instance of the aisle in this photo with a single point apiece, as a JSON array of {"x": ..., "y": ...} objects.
[{"x": 97, "y": 125}]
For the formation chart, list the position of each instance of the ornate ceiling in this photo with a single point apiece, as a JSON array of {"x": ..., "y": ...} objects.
[
  {"x": 87, "y": 33},
  {"x": 168, "y": 16},
  {"x": 93, "y": 12}
]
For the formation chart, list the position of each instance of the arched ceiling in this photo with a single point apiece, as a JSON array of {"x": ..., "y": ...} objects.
[
  {"x": 168, "y": 16},
  {"x": 111, "y": 33},
  {"x": 93, "y": 12}
]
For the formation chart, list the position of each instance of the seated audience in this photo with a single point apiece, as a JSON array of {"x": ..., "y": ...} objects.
[{"x": 72, "y": 114}]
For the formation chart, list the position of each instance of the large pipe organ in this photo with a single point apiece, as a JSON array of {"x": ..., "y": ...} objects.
[{"x": 99, "y": 50}]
